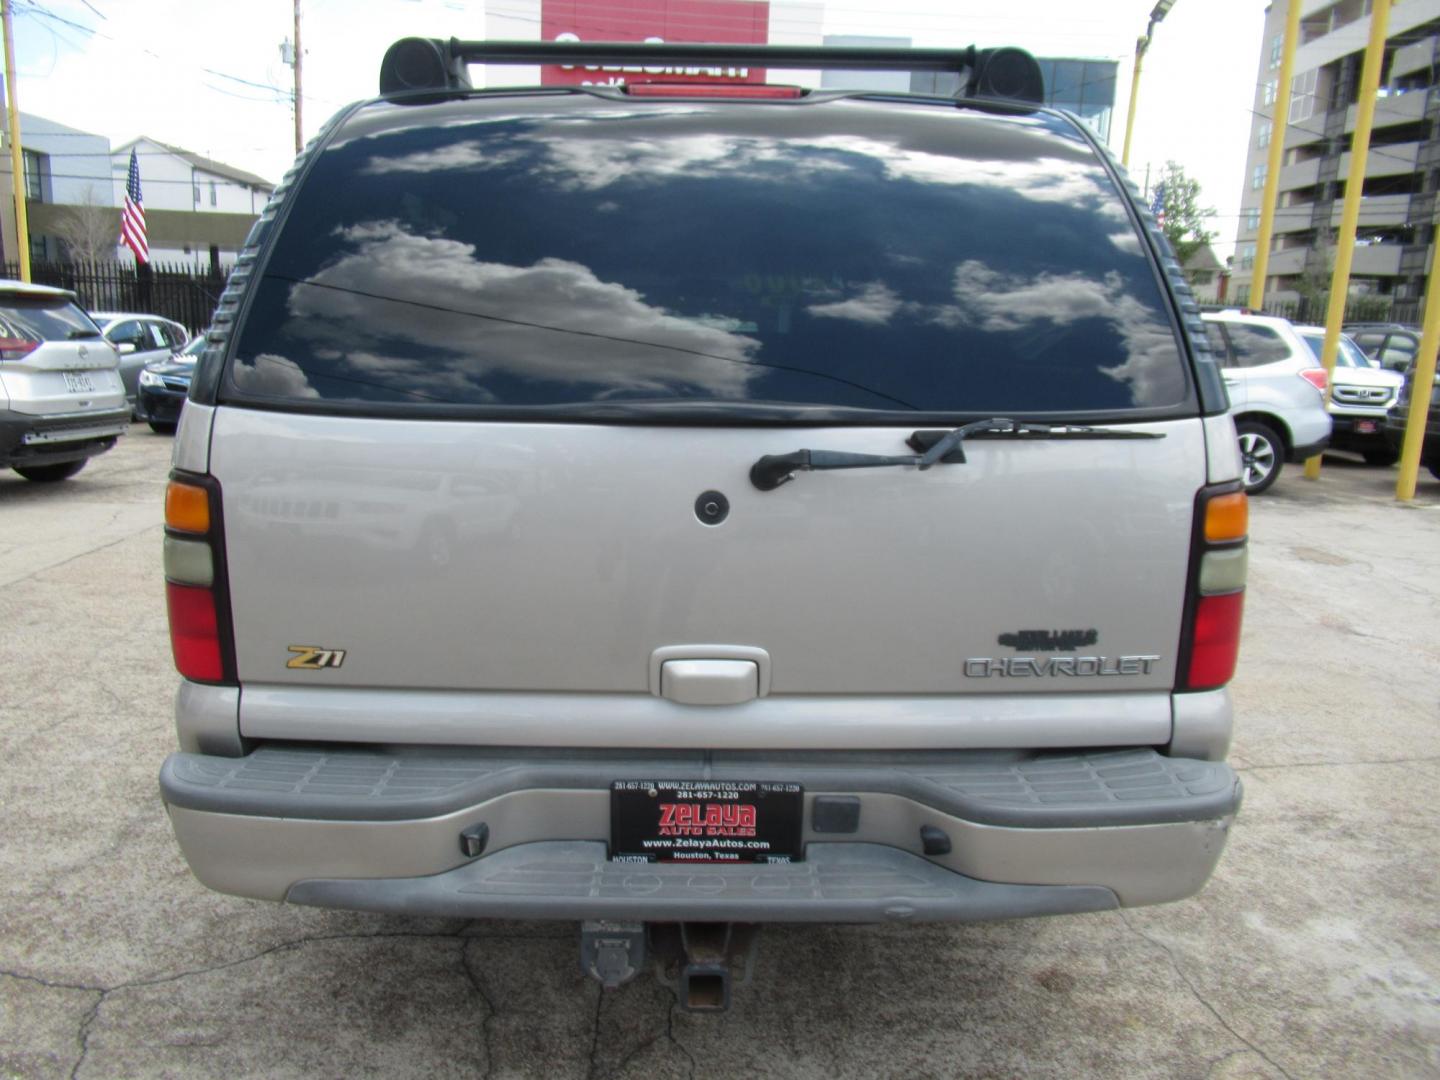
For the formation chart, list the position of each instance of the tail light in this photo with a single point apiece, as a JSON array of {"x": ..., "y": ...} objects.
[
  {"x": 1210, "y": 644},
  {"x": 16, "y": 348},
  {"x": 1315, "y": 376},
  {"x": 195, "y": 592}
]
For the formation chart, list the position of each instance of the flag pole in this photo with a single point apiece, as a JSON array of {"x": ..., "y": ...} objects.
[{"x": 17, "y": 165}]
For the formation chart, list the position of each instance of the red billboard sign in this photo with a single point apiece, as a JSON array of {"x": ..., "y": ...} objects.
[{"x": 729, "y": 21}]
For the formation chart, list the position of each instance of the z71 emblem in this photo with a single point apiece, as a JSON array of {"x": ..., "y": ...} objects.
[{"x": 313, "y": 658}]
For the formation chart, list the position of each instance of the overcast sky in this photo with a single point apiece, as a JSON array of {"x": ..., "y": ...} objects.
[{"x": 208, "y": 76}]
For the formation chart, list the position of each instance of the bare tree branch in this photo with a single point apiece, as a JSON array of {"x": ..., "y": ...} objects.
[{"x": 89, "y": 230}]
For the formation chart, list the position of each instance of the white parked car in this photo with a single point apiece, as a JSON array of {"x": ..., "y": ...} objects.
[
  {"x": 140, "y": 340},
  {"x": 1361, "y": 393},
  {"x": 1277, "y": 392}
]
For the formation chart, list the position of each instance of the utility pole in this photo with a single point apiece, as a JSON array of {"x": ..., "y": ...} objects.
[
  {"x": 1350, "y": 216},
  {"x": 17, "y": 162},
  {"x": 1278, "y": 122},
  {"x": 299, "y": 53},
  {"x": 1161, "y": 9}
]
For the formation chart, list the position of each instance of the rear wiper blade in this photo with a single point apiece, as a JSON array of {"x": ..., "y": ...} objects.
[
  {"x": 931, "y": 448},
  {"x": 937, "y": 446}
]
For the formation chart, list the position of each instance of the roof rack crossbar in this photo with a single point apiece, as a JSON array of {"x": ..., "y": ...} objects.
[
  {"x": 432, "y": 64},
  {"x": 636, "y": 54}
]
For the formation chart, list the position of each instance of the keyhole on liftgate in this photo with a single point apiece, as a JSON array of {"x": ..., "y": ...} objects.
[{"x": 712, "y": 508}]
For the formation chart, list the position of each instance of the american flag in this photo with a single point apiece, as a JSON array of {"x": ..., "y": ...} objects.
[
  {"x": 1157, "y": 204},
  {"x": 132, "y": 218}
]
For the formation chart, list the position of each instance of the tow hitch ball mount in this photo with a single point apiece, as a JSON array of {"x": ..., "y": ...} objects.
[{"x": 700, "y": 962}]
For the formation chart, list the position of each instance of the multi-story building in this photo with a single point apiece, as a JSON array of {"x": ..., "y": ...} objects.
[
  {"x": 198, "y": 210},
  {"x": 1398, "y": 202},
  {"x": 67, "y": 173}
]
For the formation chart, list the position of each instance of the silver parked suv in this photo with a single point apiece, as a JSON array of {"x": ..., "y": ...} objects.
[
  {"x": 571, "y": 520},
  {"x": 61, "y": 399},
  {"x": 1277, "y": 392}
]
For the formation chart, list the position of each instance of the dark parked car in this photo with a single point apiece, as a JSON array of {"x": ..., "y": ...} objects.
[
  {"x": 1391, "y": 345},
  {"x": 1395, "y": 425},
  {"x": 163, "y": 386}
]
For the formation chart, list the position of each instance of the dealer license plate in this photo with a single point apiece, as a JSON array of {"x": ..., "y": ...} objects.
[
  {"x": 705, "y": 821},
  {"x": 78, "y": 382},
  {"x": 1365, "y": 427}
]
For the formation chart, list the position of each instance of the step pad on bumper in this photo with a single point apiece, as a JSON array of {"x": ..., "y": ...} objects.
[
  {"x": 1061, "y": 790},
  {"x": 575, "y": 880}
]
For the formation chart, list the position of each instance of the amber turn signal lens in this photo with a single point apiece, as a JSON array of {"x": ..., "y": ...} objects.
[
  {"x": 1227, "y": 517},
  {"x": 187, "y": 507}
]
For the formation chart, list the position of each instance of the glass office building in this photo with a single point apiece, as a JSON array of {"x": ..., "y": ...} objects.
[{"x": 1083, "y": 87}]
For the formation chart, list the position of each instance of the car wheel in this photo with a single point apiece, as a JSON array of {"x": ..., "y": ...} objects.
[
  {"x": 1381, "y": 458},
  {"x": 1262, "y": 455},
  {"x": 49, "y": 474},
  {"x": 162, "y": 428}
]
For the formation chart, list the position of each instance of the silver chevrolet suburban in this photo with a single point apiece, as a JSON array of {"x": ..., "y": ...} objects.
[{"x": 676, "y": 505}]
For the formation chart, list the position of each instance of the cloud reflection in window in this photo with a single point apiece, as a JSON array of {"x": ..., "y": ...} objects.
[
  {"x": 1000, "y": 302},
  {"x": 553, "y": 320},
  {"x": 874, "y": 306}
]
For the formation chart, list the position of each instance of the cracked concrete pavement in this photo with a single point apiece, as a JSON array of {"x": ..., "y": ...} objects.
[{"x": 1313, "y": 952}]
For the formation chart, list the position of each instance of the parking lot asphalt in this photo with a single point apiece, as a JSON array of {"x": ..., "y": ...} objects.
[{"x": 1314, "y": 952}]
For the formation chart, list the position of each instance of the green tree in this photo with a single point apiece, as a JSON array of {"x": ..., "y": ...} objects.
[
  {"x": 1185, "y": 218},
  {"x": 1313, "y": 283}
]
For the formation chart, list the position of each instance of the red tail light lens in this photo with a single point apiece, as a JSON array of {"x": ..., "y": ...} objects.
[
  {"x": 14, "y": 348},
  {"x": 194, "y": 632},
  {"x": 1315, "y": 376},
  {"x": 1215, "y": 644},
  {"x": 195, "y": 580},
  {"x": 746, "y": 90}
]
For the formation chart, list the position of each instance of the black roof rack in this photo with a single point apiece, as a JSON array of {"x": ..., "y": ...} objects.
[{"x": 433, "y": 64}]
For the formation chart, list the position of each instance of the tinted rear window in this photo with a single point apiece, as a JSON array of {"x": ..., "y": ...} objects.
[
  {"x": 1255, "y": 346},
  {"x": 563, "y": 253},
  {"x": 36, "y": 319}
]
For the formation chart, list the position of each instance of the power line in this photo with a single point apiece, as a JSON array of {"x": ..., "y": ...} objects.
[
  {"x": 1321, "y": 135},
  {"x": 32, "y": 8},
  {"x": 247, "y": 82},
  {"x": 36, "y": 9}
]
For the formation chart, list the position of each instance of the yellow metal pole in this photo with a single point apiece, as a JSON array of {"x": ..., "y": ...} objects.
[
  {"x": 1422, "y": 382},
  {"x": 1345, "y": 244},
  {"x": 17, "y": 167},
  {"x": 1141, "y": 44},
  {"x": 1279, "y": 120}
]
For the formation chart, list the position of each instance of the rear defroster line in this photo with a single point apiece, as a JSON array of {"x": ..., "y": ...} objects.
[{"x": 931, "y": 448}]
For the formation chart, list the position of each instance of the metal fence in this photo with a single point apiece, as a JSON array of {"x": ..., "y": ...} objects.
[
  {"x": 1312, "y": 310},
  {"x": 175, "y": 291}
]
